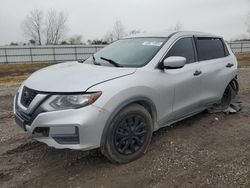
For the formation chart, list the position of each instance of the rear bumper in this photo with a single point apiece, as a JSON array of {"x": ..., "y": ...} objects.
[{"x": 74, "y": 129}]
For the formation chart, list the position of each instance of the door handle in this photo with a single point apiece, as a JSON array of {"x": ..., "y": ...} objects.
[
  {"x": 197, "y": 73},
  {"x": 229, "y": 65}
]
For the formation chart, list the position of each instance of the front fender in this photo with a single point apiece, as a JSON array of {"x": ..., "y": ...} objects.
[
  {"x": 115, "y": 96},
  {"x": 121, "y": 106}
]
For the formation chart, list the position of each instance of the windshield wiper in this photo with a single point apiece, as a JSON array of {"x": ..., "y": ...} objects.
[
  {"x": 94, "y": 62},
  {"x": 111, "y": 62}
]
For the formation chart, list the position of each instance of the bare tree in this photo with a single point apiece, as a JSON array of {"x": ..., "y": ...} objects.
[
  {"x": 134, "y": 32},
  {"x": 178, "y": 26},
  {"x": 55, "y": 26},
  {"x": 76, "y": 39},
  {"x": 109, "y": 37},
  {"x": 239, "y": 37},
  {"x": 32, "y": 26},
  {"x": 118, "y": 30}
]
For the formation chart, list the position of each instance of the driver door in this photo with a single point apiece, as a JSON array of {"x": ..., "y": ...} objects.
[{"x": 185, "y": 81}]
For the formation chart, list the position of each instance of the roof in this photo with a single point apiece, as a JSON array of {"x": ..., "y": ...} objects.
[{"x": 170, "y": 33}]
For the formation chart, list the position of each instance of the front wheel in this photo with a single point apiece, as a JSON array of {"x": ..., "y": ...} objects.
[{"x": 129, "y": 134}]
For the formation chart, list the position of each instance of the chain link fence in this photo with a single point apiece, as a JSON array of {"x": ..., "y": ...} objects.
[
  {"x": 39, "y": 54},
  {"x": 240, "y": 47}
]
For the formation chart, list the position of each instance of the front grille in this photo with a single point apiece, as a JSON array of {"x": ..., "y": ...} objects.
[
  {"x": 28, "y": 118},
  {"x": 20, "y": 113},
  {"x": 27, "y": 96}
]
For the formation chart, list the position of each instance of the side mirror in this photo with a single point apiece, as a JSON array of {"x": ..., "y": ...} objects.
[{"x": 174, "y": 62}]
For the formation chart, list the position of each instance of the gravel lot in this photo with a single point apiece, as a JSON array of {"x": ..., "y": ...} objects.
[{"x": 207, "y": 150}]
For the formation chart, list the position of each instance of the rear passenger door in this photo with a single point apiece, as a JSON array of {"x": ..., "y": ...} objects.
[{"x": 213, "y": 58}]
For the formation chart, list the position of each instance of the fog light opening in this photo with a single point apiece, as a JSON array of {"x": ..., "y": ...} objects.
[
  {"x": 67, "y": 138},
  {"x": 42, "y": 131}
]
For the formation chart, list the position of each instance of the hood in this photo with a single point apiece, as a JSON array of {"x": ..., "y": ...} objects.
[{"x": 73, "y": 77}]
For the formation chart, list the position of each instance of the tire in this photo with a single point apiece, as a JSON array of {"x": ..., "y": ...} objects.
[
  {"x": 129, "y": 135},
  {"x": 227, "y": 97}
]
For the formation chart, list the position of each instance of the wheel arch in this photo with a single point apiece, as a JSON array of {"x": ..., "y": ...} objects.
[
  {"x": 141, "y": 100},
  {"x": 234, "y": 84}
]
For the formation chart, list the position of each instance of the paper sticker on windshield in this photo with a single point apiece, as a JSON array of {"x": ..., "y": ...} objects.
[{"x": 154, "y": 43}]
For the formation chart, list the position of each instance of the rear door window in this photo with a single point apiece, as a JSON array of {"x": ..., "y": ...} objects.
[{"x": 210, "y": 48}]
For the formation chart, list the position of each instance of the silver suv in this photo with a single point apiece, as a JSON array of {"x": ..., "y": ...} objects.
[{"x": 118, "y": 97}]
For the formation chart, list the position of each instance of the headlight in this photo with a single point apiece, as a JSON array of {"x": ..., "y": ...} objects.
[{"x": 62, "y": 102}]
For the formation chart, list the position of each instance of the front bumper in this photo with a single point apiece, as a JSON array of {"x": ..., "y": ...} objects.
[{"x": 74, "y": 129}]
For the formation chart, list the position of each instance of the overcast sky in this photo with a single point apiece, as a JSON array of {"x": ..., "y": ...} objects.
[{"x": 93, "y": 18}]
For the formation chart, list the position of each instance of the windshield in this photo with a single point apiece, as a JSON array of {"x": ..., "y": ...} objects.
[{"x": 132, "y": 52}]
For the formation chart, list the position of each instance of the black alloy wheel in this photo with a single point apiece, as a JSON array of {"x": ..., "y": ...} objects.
[{"x": 129, "y": 134}]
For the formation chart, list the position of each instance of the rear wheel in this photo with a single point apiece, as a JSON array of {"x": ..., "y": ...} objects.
[
  {"x": 227, "y": 97},
  {"x": 129, "y": 134}
]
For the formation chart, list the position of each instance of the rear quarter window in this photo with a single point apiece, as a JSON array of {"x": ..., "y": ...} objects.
[{"x": 210, "y": 48}]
